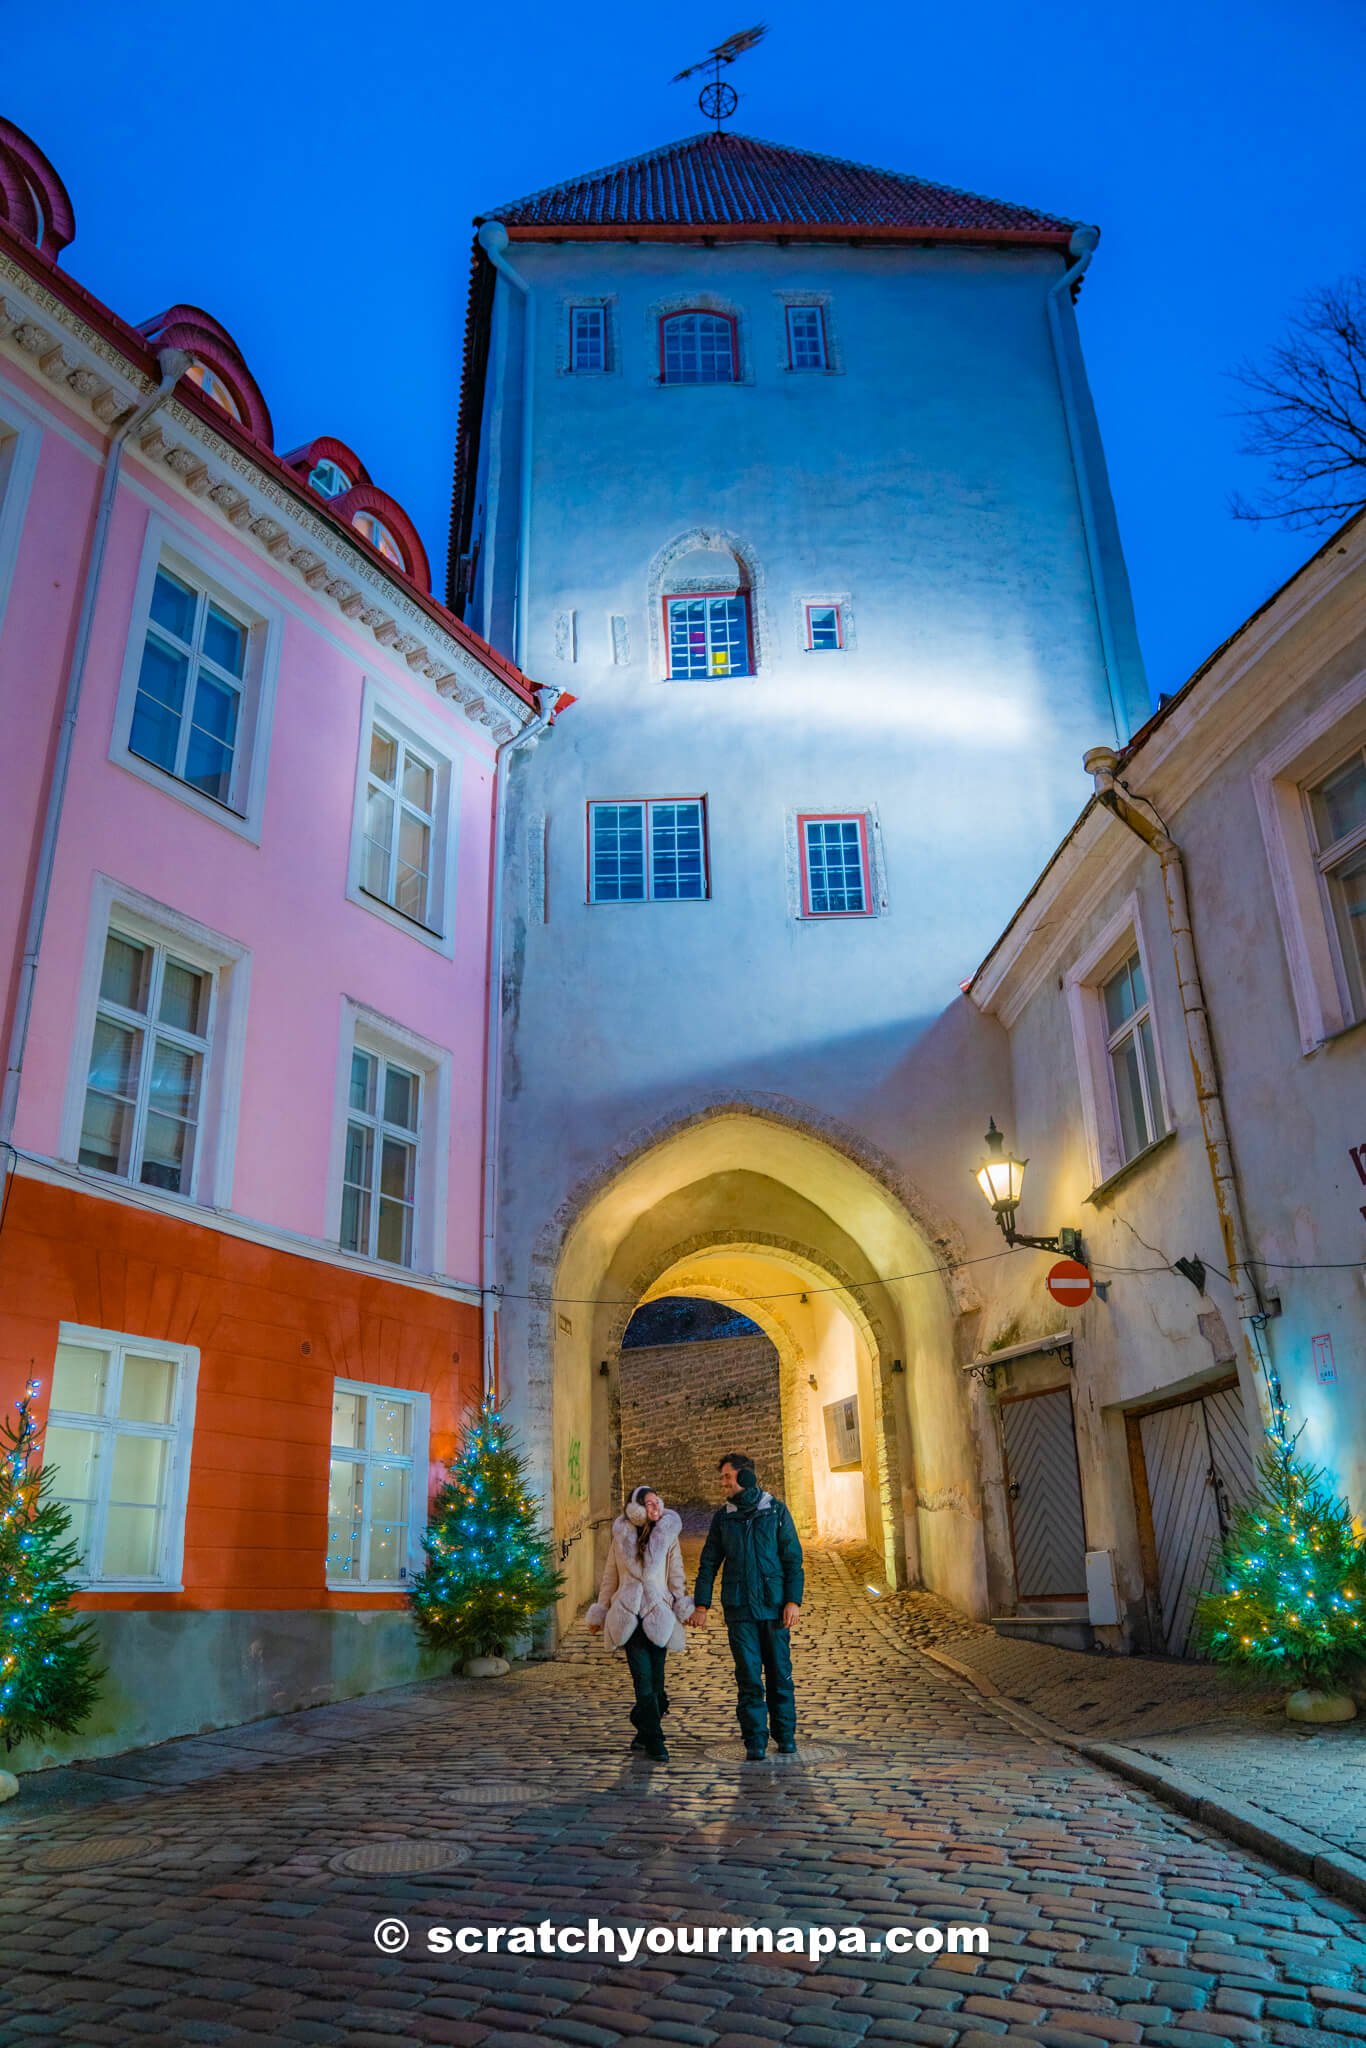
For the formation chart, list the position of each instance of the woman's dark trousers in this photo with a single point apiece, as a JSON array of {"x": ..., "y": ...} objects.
[{"x": 646, "y": 1662}]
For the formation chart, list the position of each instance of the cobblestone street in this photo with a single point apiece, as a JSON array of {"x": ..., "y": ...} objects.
[{"x": 191, "y": 1894}]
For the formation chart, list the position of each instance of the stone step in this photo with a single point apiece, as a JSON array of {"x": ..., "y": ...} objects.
[{"x": 1063, "y": 1631}]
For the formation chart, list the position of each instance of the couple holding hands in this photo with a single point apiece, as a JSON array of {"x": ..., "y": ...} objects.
[{"x": 643, "y": 1603}]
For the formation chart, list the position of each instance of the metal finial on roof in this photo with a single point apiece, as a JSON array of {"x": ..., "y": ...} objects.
[{"x": 718, "y": 98}]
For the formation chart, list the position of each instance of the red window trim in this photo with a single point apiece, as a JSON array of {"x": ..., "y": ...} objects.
[
  {"x": 807, "y": 306},
  {"x": 686, "y": 597},
  {"x": 616, "y": 903},
  {"x": 838, "y": 610},
  {"x": 805, "y": 818},
  {"x": 711, "y": 313},
  {"x": 578, "y": 306}
]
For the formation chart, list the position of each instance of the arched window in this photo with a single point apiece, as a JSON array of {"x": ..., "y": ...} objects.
[
  {"x": 213, "y": 387},
  {"x": 698, "y": 348},
  {"x": 377, "y": 533},
  {"x": 329, "y": 479}
]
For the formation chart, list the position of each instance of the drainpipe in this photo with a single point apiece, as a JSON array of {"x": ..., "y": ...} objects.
[
  {"x": 1082, "y": 248},
  {"x": 493, "y": 240},
  {"x": 1100, "y": 763},
  {"x": 493, "y": 1030},
  {"x": 173, "y": 363}
]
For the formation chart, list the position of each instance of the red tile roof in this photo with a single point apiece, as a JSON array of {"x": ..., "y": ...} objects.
[{"x": 727, "y": 180}]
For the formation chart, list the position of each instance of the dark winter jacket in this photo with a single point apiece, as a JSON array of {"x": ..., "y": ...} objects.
[{"x": 760, "y": 1557}]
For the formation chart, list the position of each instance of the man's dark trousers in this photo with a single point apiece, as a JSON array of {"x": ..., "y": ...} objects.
[
  {"x": 763, "y": 1663},
  {"x": 645, "y": 1661}
]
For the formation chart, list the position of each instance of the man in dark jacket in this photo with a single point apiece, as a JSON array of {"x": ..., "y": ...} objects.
[{"x": 754, "y": 1542}]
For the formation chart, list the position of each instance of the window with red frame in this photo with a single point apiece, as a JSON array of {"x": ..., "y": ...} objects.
[
  {"x": 708, "y": 635},
  {"x": 824, "y": 629},
  {"x": 836, "y": 877},
  {"x": 806, "y": 338},
  {"x": 698, "y": 348}
]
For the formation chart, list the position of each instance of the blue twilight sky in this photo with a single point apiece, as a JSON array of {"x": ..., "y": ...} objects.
[{"x": 309, "y": 177}]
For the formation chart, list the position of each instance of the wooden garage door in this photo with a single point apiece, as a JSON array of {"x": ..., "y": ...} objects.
[
  {"x": 1196, "y": 1465},
  {"x": 1047, "y": 1532}
]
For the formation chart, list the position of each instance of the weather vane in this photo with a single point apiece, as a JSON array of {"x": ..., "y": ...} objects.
[{"x": 718, "y": 98}]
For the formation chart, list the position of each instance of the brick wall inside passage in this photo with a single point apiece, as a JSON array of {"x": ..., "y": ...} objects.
[{"x": 684, "y": 1405}]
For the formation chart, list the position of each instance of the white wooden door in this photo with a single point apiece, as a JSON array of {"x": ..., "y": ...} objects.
[
  {"x": 1047, "y": 1531},
  {"x": 1198, "y": 1465}
]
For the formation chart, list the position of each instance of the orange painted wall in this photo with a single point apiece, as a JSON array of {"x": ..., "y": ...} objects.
[{"x": 273, "y": 1331}]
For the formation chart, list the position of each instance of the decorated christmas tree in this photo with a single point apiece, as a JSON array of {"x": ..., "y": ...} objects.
[
  {"x": 1289, "y": 1578},
  {"x": 488, "y": 1576},
  {"x": 49, "y": 1680}
]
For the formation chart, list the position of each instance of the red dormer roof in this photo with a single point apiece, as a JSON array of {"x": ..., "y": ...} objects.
[{"x": 729, "y": 182}]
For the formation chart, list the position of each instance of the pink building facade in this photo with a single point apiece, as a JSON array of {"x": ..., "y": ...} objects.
[{"x": 245, "y": 882}]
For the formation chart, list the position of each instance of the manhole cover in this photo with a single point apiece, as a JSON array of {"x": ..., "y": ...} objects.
[
  {"x": 86, "y": 1854},
  {"x": 808, "y": 1754},
  {"x": 491, "y": 1793},
  {"x": 399, "y": 1859}
]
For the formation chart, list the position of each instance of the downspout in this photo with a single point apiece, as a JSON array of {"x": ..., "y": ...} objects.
[
  {"x": 1100, "y": 763},
  {"x": 173, "y": 363},
  {"x": 493, "y": 240},
  {"x": 549, "y": 698},
  {"x": 1082, "y": 248}
]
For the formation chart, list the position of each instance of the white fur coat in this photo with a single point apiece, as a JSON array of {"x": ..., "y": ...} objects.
[{"x": 653, "y": 1593}]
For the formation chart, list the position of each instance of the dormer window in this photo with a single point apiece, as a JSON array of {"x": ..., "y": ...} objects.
[
  {"x": 698, "y": 348},
  {"x": 213, "y": 386},
  {"x": 329, "y": 479},
  {"x": 377, "y": 533}
]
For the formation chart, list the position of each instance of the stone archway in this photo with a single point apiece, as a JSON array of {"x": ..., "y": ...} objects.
[{"x": 757, "y": 1177}]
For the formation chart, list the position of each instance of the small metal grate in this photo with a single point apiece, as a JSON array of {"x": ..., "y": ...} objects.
[
  {"x": 491, "y": 1792},
  {"x": 93, "y": 1850},
  {"x": 399, "y": 1859}
]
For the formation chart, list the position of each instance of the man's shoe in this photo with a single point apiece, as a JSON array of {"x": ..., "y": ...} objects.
[
  {"x": 657, "y": 1753},
  {"x": 787, "y": 1749},
  {"x": 755, "y": 1756},
  {"x": 637, "y": 1742}
]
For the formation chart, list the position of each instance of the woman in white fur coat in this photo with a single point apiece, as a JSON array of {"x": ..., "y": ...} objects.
[{"x": 641, "y": 1606}]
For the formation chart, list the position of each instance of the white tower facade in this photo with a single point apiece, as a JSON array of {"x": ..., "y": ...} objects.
[{"x": 787, "y": 471}]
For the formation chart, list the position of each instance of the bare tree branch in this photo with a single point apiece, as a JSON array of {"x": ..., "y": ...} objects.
[{"x": 1306, "y": 416}]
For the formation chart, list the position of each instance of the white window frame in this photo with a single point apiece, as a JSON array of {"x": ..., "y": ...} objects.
[
  {"x": 598, "y": 308},
  {"x": 156, "y": 924},
  {"x": 1312, "y": 750},
  {"x": 367, "y": 1030},
  {"x": 647, "y": 804},
  {"x": 184, "y": 556},
  {"x": 1084, "y": 983},
  {"x": 179, "y": 1433},
  {"x": 20, "y": 440},
  {"x": 381, "y": 706},
  {"x": 795, "y": 306},
  {"x": 418, "y": 1462},
  {"x": 380, "y": 1128}
]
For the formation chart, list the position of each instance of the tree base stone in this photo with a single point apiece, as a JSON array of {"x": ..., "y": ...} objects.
[
  {"x": 485, "y": 1667},
  {"x": 9, "y": 1785},
  {"x": 1309, "y": 1705}
]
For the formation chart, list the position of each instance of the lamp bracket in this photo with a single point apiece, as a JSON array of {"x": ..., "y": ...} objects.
[{"x": 1067, "y": 1243}]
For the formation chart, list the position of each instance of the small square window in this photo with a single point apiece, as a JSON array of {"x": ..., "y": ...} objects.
[
  {"x": 806, "y": 338},
  {"x": 588, "y": 337},
  {"x": 824, "y": 629},
  {"x": 836, "y": 878},
  {"x": 651, "y": 850}
]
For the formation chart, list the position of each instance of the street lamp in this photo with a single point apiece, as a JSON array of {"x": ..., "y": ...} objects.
[{"x": 1001, "y": 1179}]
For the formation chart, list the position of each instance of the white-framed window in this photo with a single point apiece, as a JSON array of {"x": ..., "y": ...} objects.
[
  {"x": 806, "y": 348},
  {"x": 403, "y": 837},
  {"x": 1135, "y": 1089},
  {"x": 391, "y": 1147},
  {"x": 377, "y": 1486},
  {"x": 20, "y": 439},
  {"x": 329, "y": 479},
  {"x": 198, "y": 686},
  {"x": 380, "y": 537},
  {"x": 215, "y": 387},
  {"x": 588, "y": 337},
  {"x": 1337, "y": 822},
  {"x": 380, "y": 1166},
  {"x": 1309, "y": 798},
  {"x": 824, "y": 628},
  {"x": 119, "y": 1429},
  {"x": 648, "y": 850},
  {"x": 698, "y": 347},
  {"x": 157, "y": 1049},
  {"x": 836, "y": 869},
  {"x": 708, "y": 634},
  {"x": 1117, "y": 1038}
]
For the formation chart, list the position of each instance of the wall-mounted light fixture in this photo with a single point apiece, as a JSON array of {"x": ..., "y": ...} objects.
[
  {"x": 1001, "y": 1179},
  {"x": 604, "y": 1370}
]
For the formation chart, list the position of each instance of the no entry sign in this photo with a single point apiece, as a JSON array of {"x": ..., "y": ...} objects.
[{"x": 1070, "y": 1283}]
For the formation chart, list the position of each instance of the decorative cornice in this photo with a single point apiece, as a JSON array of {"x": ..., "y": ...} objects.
[{"x": 72, "y": 355}]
